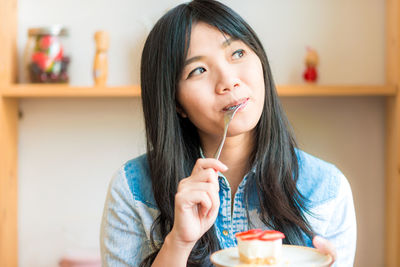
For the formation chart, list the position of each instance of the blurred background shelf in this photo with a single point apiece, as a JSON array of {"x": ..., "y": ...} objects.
[
  {"x": 59, "y": 91},
  {"x": 336, "y": 90}
]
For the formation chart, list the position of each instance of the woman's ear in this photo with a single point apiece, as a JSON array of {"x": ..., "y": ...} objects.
[{"x": 180, "y": 111}]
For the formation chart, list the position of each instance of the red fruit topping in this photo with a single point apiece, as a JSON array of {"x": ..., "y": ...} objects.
[
  {"x": 250, "y": 235},
  {"x": 272, "y": 235},
  {"x": 258, "y": 234},
  {"x": 252, "y": 231}
]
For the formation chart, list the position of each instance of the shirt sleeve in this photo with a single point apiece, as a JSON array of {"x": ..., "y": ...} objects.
[
  {"x": 342, "y": 229},
  {"x": 123, "y": 241}
]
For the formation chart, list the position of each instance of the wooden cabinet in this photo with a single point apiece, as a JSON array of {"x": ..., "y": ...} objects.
[{"x": 10, "y": 93}]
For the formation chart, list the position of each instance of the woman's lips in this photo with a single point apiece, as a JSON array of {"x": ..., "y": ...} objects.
[{"x": 242, "y": 102}]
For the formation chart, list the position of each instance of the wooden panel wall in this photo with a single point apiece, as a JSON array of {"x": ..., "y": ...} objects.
[
  {"x": 8, "y": 183},
  {"x": 392, "y": 236},
  {"x": 8, "y": 136},
  {"x": 8, "y": 41}
]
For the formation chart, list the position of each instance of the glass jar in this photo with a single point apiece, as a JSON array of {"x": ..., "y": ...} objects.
[{"x": 44, "y": 59}]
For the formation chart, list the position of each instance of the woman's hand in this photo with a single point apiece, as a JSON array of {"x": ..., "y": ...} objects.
[
  {"x": 325, "y": 247},
  {"x": 196, "y": 203}
]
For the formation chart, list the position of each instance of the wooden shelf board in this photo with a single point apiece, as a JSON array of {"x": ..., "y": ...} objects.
[
  {"x": 50, "y": 90},
  {"x": 336, "y": 90}
]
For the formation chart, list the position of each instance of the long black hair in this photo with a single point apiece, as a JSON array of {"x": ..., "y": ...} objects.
[{"x": 173, "y": 142}]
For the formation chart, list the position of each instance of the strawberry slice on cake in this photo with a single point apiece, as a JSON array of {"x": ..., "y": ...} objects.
[{"x": 258, "y": 246}]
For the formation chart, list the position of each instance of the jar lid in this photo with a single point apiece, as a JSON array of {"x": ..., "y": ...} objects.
[{"x": 51, "y": 30}]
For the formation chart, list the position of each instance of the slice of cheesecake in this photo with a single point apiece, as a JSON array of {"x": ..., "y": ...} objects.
[{"x": 258, "y": 246}]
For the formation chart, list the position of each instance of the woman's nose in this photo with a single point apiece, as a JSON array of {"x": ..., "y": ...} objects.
[{"x": 227, "y": 81}]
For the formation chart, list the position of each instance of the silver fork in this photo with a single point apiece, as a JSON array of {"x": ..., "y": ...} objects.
[{"x": 228, "y": 116}]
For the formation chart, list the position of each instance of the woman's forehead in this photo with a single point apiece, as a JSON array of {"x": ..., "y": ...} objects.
[
  {"x": 204, "y": 36},
  {"x": 201, "y": 29}
]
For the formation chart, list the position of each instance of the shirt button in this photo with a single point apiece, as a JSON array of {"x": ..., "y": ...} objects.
[{"x": 225, "y": 233}]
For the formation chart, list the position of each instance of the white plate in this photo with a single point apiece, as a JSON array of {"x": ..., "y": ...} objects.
[{"x": 293, "y": 256}]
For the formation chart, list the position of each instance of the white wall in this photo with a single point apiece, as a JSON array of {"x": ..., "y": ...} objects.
[{"x": 69, "y": 148}]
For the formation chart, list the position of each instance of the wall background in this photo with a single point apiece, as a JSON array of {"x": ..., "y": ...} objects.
[{"x": 69, "y": 148}]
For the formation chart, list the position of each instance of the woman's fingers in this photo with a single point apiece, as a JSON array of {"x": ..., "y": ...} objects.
[
  {"x": 205, "y": 170},
  {"x": 200, "y": 186},
  {"x": 325, "y": 247},
  {"x": 190, "y": 199},
  {"x": 209, "y": 163},
  {"x": 213, "y": 212},
  {"x": 186, "y": 188},
  {"x": 207, "y": 176}
]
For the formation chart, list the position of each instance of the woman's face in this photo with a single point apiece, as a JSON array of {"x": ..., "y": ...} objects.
[{"x": 220, "y": 72}]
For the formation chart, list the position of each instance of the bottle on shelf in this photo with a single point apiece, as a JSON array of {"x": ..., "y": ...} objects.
[{"x": 44, "y": 57}]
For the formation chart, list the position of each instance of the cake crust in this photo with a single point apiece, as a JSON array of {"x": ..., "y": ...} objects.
[{"x": 268, "y": 260}]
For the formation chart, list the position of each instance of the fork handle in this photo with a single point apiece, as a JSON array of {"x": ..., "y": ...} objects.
[{"x": 218, "y": 153}]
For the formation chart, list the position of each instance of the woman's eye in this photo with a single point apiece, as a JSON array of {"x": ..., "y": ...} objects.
[
  {"x": 196, "y": 71},
  {"x": 238, "y": 53}
]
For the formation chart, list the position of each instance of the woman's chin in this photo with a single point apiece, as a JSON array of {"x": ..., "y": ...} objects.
[{"x": 236, "y": 130}]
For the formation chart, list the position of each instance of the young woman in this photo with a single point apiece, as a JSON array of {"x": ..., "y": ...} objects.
[{"x": 176, "y": 205}]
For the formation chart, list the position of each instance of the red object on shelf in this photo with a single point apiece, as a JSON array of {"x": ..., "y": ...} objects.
[
  {"x": 42, "y": 60},
  {"x": 46, "y": 41},
  {"x": 310, "y": 75},
  {"x": 311, "y": 61}
]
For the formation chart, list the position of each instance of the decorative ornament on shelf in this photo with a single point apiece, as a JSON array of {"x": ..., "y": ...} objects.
[
  {"x": 100, "y": 65},
  {"x": 44, "y": 58},
  {"x": 311, "y": 60}
]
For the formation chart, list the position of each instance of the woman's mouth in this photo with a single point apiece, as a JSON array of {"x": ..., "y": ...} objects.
[
  {"x": 232, "y": 107},
  {"x": 236, "y": 104}
]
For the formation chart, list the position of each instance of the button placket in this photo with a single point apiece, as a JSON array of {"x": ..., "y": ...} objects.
[{"x": 226, "y": 226}]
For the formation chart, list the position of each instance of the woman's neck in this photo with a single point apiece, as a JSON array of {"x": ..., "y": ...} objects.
[{"x": 235, "y": 154}]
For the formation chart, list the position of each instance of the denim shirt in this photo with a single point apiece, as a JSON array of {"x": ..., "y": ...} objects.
[{"x": 130, "y": 210}]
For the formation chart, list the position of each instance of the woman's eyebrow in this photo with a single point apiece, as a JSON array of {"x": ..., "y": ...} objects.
[
  {"x": 225, "y": 43},
  {"x": 193, "y": 59},
  {"x": 228, "y": 41}
]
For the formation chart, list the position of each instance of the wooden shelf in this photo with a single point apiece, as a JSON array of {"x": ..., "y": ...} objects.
[
  {"x": 58, "y": 91},
  {"x": 336, "y": 90},
  {"x": 51, "y": 91}
]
